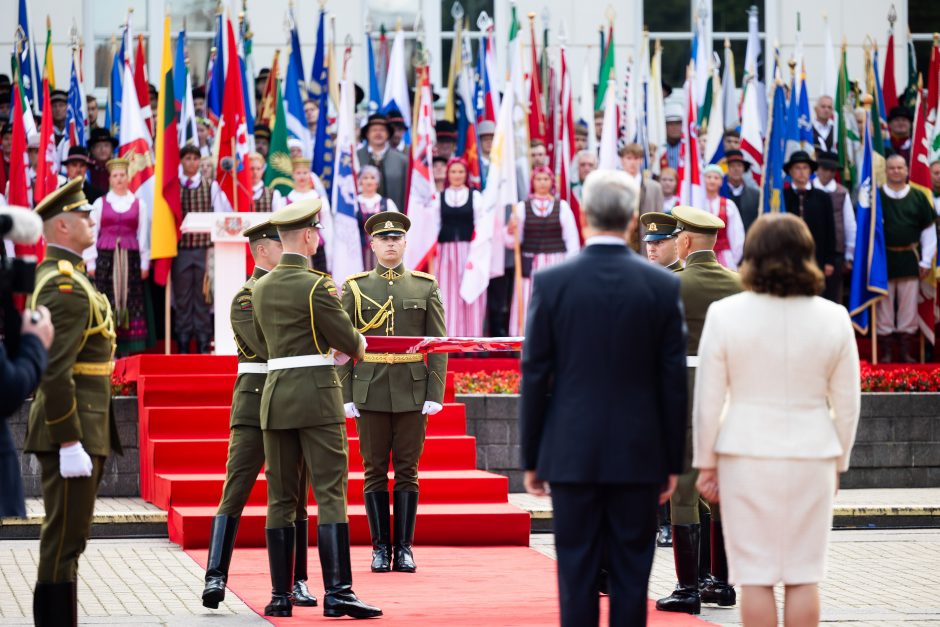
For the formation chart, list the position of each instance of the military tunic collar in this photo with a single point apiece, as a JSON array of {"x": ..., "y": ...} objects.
[
  {"x": 390, "y": 274},
  {"x": 293, "y": 260},
  {"x": 59, "y": 253},
  {"x": 699, "y": 257},
  {"x": 259, "y": 272}
]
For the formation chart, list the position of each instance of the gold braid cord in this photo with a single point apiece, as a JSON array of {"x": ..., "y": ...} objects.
[
  {"x": 313, "y": 330},
  {"x": 100, "y": 317},
  {"x": 385, "y": 315}
]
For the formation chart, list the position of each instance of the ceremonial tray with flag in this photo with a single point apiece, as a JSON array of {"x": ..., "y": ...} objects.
[{"x": 417, "y": 344}]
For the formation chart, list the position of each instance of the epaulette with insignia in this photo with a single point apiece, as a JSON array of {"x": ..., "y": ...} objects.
[
  {"x": 423, "y": 275},
  {"x": 326, "y": 274},
  {"x": 65, "y": 267},
  {"x": 244, "y": 302},
  {"x": 358, "y": 275}
]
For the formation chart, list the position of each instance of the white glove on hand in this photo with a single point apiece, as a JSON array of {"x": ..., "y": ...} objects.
[
  {"x": 74, "y": 461},
  {"x": 351, "y": 411},
  {"x": 340, "y": 358},
  {"x": 431, "y": 408}
]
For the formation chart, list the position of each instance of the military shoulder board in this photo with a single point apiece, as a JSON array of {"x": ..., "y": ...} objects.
[
  {"x": 423, "y": 275},
  {"x": 358, "y": 275}
]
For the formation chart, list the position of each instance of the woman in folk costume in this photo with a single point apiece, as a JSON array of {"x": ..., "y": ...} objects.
[
  {"x": 546, "y": 232},
  {"x": 460, "y": 206},
  {"x": 120, "y": 260},
  {"x": 307, "y": 186},
  {"x": 370, "y": 203}
]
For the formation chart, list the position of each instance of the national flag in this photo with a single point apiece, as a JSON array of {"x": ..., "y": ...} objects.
[
  {"x": 248, "y": 98},
  {"x": 909, "y": 97},
  {"x": 467, "y": 144},
  {"x": 112, "y": 112},
  {"x": 74, "y": 120},
  {"x": 701, "y": 55},
  {"x": 279, "y": 170},
  {"x": 47, "y": 162},
  {"x": 18, "y": 183},
  {"x": 830, "y": 76},
  {"x": 294, "y": 55},
  {"x": 551, "y": 110},
  {"x": 456, "y": 60},
  {"x": 294, "y": 107},
  {"x": 520, "y": 115},
  {"x": 920, "y": 180},
  {"x": 608, "y": 158},
  {"x": 27, "y": 61},
  {"x": 245, "y": 47},
  {"x": 877, "y": 106},
  {"x": 565, "y": 144},
  {"x": 167, "y": 211},
  {"x": 322, "y": 165},
  {"x": 932, "y": 112},
  {"x": 490, "y": 96},
  {"x": 266, "y": 107},
  {"x": 845, "y": 126},
  {"x": 804, "y": 122},
  {"x": 424, "y": 207},
  {"x": 752, "y": 141},
  {"x": 870, "y": 270},
  {"x": 729, "y": 90},
  {"x": 183, "y": 106},
  {"x": 655, "y": 115},
  {"x": 792, "y": 125},
  {"x": 375, "y": 93},
  {"x": 641, "y": 75},
  {"x": 752, "y": 70},
  {"x": 332, "y": 71},
  {"x": 345, "y": 243},
  {"x": 382, "y": 61},
  {"x": 215, "y": 75},
  {"x": 232, "y": 171},
  {"x": 889, "y": 88},
  {"x": 607, "y": 67},
  {"x": 627, "y": 117},
  {"x": 395, "y": 95},
  {"x": 715, "y": 131},
  {"x": 141, "y": 82},
  {"x": 775, "y": 155},
  {"x": 537, "y": 128},
  {"x": 690, "y": 175},
  {"x": 487, "y": 256},
  {"x": 29, "y": 122},
  {"x": 48, "y": 67},
  {"x": 135, "y": 142}
]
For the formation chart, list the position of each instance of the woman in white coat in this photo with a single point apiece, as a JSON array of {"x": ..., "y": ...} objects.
[{"x": 777, "y": 401}]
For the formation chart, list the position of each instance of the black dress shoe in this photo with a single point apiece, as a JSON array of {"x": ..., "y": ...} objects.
[
  {"x": 664, "y": 536},
  {"x": 55, "y": 604},
  {"x": 300, "y": 594},
  {"x": 717, "y": 589},
  {"x": 380, "y": 529},
  {"x": 340, "y": 600},
  {"x": 685, "y": 546},
  {"x": 221, "y": 544},
  {"x": 406, "y": 510},
  {"x": 281, "y": 562}
]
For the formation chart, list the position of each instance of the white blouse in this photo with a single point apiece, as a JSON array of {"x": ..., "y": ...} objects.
[
  {"x": 121, "y": 204},
  {"x": 371, "y": 204},
  {"x": 543, "y": 208}
]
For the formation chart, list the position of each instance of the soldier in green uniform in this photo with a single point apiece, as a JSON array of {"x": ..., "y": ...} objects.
[
  {"x": 71, "y": 429},
  {"x": 702, "y": 281},
  {"x": 299, "y": 317},
  {"x": 246, "y": 448},
  {"x": 660, "y": 240},
  {"x": 391, "y": 395}
]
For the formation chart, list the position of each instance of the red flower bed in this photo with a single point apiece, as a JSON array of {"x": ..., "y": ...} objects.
[
  {"x": 120, "y": 386},
  {"x": 483, "y": 382},
  {"x": 900, "y": 379}
]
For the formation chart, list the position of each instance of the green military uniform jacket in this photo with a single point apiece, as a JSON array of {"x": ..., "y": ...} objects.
[
  {"x": 297, "y": 312},
  {"x": 246, "y": 398},
  {"x": 73, "y": 401},
  {"x": 701, "y": 282},
  {"x": 675, "y": 266},
  {"x": 394, "y": 302}
]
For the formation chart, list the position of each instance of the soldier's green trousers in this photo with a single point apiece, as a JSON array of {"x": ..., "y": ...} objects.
[
  {"x": 686, "y": 501},
  {"x": 399, "y": 437},
  {"x": 324, "y": 449},
  {"x": 66, "y": 527},
  {"x": 245, "y": 460}
]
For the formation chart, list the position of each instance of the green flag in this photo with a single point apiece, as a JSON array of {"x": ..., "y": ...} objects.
[
  {"x": 846, "y": 116},
  {"x": 909, "y": 97},
  {"x": 278, "y": 173},
  {"x": 877, "y": 141},
  {"x": 606, "y": 68}
]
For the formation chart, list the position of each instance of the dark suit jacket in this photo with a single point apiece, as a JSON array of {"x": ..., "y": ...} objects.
[
  {"x": 748, "y": 204},
  {"x": 819, "y": 217},
  {"x": 603, "y": 371},
  {"x": 394, "y": 168}
]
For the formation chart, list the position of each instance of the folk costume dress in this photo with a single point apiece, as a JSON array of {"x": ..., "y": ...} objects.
[{"x": 459, "y": 208}]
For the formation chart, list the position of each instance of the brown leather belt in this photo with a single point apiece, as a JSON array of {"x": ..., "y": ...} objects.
[
  {"x": 393, "y": 358},
  {"x": 903, "y": 249}
]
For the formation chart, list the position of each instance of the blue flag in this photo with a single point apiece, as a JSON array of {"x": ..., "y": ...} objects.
[
  {"x": 793, "y": 121},
  {"x": 805, "y": 122},
  {"x": 294, "y": 106},
  {"x": 870, "y": 270},
  {"x": 112, "y": 113},
  {"x": 74, "y": 120},
  {"x": 772, "y": 181},
  {"x": 295, "y": 51},
  {"x": 179, "y": 73},
  {"x": 375, "y": 92},
  {"x": 215, "y": 76},
  {"x": 29, "y": 64},
  {"x": 322, "y": 164},
  {"x": 246, "y": 96}
]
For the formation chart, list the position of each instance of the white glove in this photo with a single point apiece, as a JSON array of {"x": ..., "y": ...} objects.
[
  {"x": 431, "y": 408},
  {"x": 351, "y": 411},
  {"x": 74, "y": 461},
  {"x": 340, "y": 358}
]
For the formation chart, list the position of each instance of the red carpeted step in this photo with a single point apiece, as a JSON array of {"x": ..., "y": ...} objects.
[
  {"x": 186, "y": 390},
  {"x": 131, "y": 368},
  {"x": 478, "y": 524},
  {"x": 209, "y": 455},
  {"x": 437, "y": 486}
]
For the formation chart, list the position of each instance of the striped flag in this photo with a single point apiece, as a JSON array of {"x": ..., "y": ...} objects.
[
  {"x": 74, "y": 120},
  {"x": 48, "y": 67},
  {"x": 232, "y": 172},
  {"x": 752, "y": 140},
  {"x": 141, "y": 83},
  {"x": 424, "y": 207},
  {"x": 47, "y": 162},
  {"x": 135, "y": 141},
  {"x": 690, "y": 175},
  {"x": 345, "y": 243}
]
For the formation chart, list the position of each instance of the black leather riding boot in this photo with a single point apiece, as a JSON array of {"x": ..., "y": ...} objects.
[
  {"x": 685, "y": 546},
  {"x": 55, "y": 604},
  {"x": 380, "y": 530},
  {"x": 221, "y": 544},
  {"x": 300, "y": 594},
  {"x": 704, "y": 550},
  {"x": 719, "y": 590},
  {"x": 406, "y": 510},
  {"x": 281, "y": 562},
  {"x": 340, "y": 600},
  {"x": 664, "y": 534}
]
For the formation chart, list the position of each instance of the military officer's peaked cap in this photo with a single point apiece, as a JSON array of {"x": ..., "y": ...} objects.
[
  {"x": 659, "y": 226},
  {"x": 387, "y": 223},
  {"x": 261, "y": 231},
  {"x": 697, "y": 221},
  {"x": 298, "y": 215},
  {"x": 66, "y": 199}
]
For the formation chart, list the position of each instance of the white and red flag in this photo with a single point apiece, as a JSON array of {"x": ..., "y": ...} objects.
[
  {"x": 232, "y": 170},
  {"x": 424, "y": 207},
  {"x": 136, "y": 142},
  {"x": 690, "y": 167}
]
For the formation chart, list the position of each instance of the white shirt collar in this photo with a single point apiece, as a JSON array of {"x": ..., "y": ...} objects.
[
  {"x": 605, "y": 240},
  {"x": 823, "y": 129},
  {"x": 196, "y": 180},
  {"x": 379, "y": 154},
  {"x": 890, "y": 193},
  {"x": 737, "y": 190},
  {"x": 828, "y": 187}
]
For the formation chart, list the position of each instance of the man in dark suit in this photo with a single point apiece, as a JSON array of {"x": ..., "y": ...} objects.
[
  {"x": 392, "y": 164},
  {"x": 602, "y": 422},
  {"x": 737, "y": 188}
]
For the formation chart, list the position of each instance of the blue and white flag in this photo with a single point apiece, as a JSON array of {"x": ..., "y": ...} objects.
[
  {"x": 772, "y": 180},
  {"x": 375, "y": 92},
  {"x": 112, "y": 113},
  {"x": 74, "y": 120},
  {"x": 294, "y": 108},
  {"x": 793, "y": 121},
  {"x": 183, "y": 92},
  {"x": 804, "y": 121},
  {"x": 322, "y": 164},
  {"x": 29, "y": 64},
  {"x": 345, "y": 245},
  {"x": 396, "y": 94}
]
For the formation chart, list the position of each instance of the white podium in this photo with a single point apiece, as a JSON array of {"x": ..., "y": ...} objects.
[{"x": 225, "y": 228}]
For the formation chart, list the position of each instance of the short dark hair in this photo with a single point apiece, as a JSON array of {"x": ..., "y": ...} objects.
[
  {"x": 732, "y": 132},
  {"x": 633, "y": 149},
  {"x": 779, "y": 257},
  {"x": 190, "y": 149},
  {"x": 536, "y": 142}
]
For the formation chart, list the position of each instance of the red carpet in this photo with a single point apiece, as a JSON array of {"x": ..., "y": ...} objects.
[
  {"x": 183, "y": 404},
  {"x": 491, "y": 586}
]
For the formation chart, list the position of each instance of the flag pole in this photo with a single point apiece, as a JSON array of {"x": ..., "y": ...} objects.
[
  {"x": 166, "y": 314},
  {"x": 874, "y": 334},
  {"x": 517, "y": 287}
]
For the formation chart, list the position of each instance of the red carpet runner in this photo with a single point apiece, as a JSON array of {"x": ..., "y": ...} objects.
[
  {"x": 183, "y": 404},
  {"x": 462, "y": 586}
]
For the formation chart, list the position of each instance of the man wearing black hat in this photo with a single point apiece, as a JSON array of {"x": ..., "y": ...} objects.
[
  {"x": 739, "y": 189},
  {"x": 4, "y": 103},
  {"x": 814, "y": 206},
  {"x": 263, "y": 139},
  {"x": 900, "y": 121},
  {"x": 843, "y": 218},
  {"x": 446, "y": 139},
  {"x": 76, "y": 166},
  {"x": 398, "y": 129},
  {"x": 378, "y": 152},
  {"x": 60, "y": 107},
  {"x": 102, "y": 146}
]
